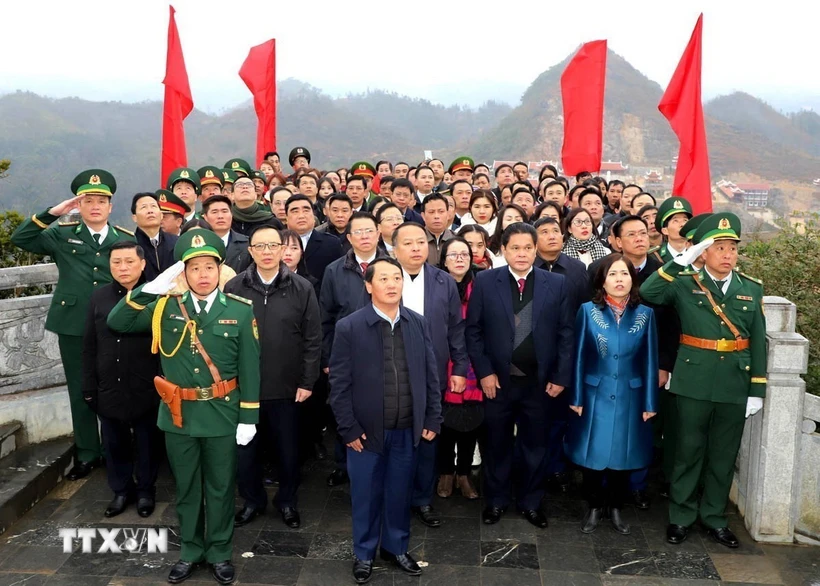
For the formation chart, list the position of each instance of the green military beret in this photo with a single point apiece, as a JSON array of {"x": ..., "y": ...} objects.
[
  {"x": 94, "y": 182},
  {"x": 460, "y": 164},
  {"x": 183, "y": 174},
  {"x": 298, "y": 152},
  {"x": 228, "y": 176},
  {"x": 210, "y": 175},
  {"x": 722, "y": 226},
  {"x": 689, "y": 228},
  {"x": 238, "y": 166},
  {"x": 199, "y": 242},
  {"x": 168, "y": 202},
  {"x": 363, "y": 169},
  {"x": 669, "y": 207}
]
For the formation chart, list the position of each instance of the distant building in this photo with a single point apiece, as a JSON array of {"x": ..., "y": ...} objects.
[
  {"x": 614, "y": 170},
  {"x": 652, "y": 178},
  {"x": 751, "y": 195}
]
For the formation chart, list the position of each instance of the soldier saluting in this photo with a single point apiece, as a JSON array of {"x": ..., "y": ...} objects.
[
  {"x": 720, "y": 372},
  {"x": 210, "y": 356},
  {"x": 81, "y": 251}
]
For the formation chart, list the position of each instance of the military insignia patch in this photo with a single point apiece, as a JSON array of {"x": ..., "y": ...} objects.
[
  {"x": 745, "y": 298},
  {"x": 210, "y": 173},
  {"x": 73, "y": 241},
  {"x": 677, "y": 204},
  {"x": 465, "y": 162},
  {"x": 234, "y": 165},
  {"x": 225, "y": 175},
  {"x": 724, "y": 224},
  {"x": 300, "y": 151},
  {"x": 255, "y": 329},
  {"x": 163, "y": 198},
  {"x": 232, "y": 322},
  {"x": 197, "y": 241},
  {"x": 184, "y": 174},
  {"x": 362, "y": 167},
  {"x": 95, "y": 180}
]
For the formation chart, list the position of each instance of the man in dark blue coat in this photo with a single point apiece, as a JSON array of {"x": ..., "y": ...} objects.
[
  {"x": 157, "y": 245},
  {"x": 432, "y": 293},
  {"x": 520, "y": 340},
  {"x": 386, "y": 397},
  {"x": 320, "y": 249}
]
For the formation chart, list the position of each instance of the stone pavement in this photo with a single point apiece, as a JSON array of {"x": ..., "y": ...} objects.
[{"x": 463, "y": 552}]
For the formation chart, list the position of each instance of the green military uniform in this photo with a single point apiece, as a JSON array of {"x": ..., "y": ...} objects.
[
  {"x": 210, "y": 175},
  {"x": 238, "y": 166},
  {"x": 202, "y": 452},
  {"x": 83, "y": 266},
  {"x": 714, "y": 375},
  {"x": 187, "y": 175},
  {"x": 669, "y": 207},
  {"x": 228, "y": 179}
]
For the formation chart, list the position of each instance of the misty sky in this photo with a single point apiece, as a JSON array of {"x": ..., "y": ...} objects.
[{"x": 446, "y": 51}]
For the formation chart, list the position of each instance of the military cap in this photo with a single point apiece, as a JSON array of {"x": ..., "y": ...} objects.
[
  {"x": 298, "y": 152},
  {"x": 199, "y": 242},
  {"x": 689, "y": 228},
  {"x": 259, "y": 175},
  {"x": 722, "y": 226},
  {"x": 460, "y": 164},
  {"x": 168, "y": 202},
  {"x": 228, "y": 176},
  {"x": 210, "y": 175},
  {"x": 669, "y": 207},
  {"x": 238, "y": 166},
  {"x": 183, "y": 174},
  {"x": 363, "y": 169},
  {"x": 94, "y": 182}
]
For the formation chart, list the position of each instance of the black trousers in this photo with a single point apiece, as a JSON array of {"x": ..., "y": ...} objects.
[
  {"x": 315, "y": 413},
  {"x": 613, "y": 494},
  {"x": 448, "y": 440},
  {"x": 280, "y": 418},
  {"x": 119, "y": 444}
]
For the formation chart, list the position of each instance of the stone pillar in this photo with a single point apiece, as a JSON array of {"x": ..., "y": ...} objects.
[{"x": 766, "y": 487}]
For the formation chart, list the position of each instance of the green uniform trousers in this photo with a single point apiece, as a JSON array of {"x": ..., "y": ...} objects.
[
  {"x": 204, "y": 470},
  {"x": 708, "y": 441},
  {"x": 83, "y": 419}
]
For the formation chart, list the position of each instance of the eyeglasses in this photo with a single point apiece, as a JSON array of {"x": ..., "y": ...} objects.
[
  {"x": 580, "y": 223},
  {"x": 636, "y": 234},
  {"x": 398, "y": 219},
  {"x": 458, "y": 255},
  {"x": 262, "y": 246},
  {"x": 363, "y": 231},
  {"x": 243, "y": 184}
]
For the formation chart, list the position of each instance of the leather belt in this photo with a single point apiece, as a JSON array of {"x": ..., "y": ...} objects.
[
  {"x": 717, "y": 345},
  {"x": 215, "y": 391}
]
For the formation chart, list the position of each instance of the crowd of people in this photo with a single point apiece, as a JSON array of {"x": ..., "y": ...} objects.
[{"x": 432, "y": 318}]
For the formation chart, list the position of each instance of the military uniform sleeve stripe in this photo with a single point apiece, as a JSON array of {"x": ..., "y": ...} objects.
[
  {"x": 246, "y": 405},
  {"x": 133, "y": 304},
  {"x": 665, "y": 275},
  {"x": 759, "y": 379},
  {"x": 37, "y": 221}
]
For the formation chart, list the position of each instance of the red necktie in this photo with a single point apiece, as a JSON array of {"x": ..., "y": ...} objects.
[
  {"x": 521, "y": 284},
  {"x": 364, "y": 266}
]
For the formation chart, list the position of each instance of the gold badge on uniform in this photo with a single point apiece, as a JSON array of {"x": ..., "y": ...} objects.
[
  {"x": 225, "y": 175},
  {"x": 163, "y": 198},
  {"x": 465, "y": 162},
  {"x": 362, "y": 167},
  {"x": 234, "y": 165},
  {"x": 255, "y": 329},
  {"x": 95, "y": 180},
  {"x": 677, "y": 204},
  {"x": 184, "y": 174},
  {"x": 724, "y": 224},
  {"x": 197, "y": 241},
  {"x": 210, "y": 173}
]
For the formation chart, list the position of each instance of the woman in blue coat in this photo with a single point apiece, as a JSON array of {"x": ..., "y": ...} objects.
[{"x": 614, "y": 392}]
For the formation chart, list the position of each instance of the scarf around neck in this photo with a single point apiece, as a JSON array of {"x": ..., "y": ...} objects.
[
  {"x": 617, "y": 307},
  {"x": 254, "y": 213},
  {"x": 574, "y": 247}
]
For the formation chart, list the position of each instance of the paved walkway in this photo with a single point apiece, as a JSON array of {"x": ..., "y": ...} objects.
[{"x": 463, "y": 552}]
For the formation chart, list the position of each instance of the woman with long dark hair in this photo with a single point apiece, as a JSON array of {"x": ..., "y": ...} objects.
[
  {"x": 478, "y": 239},
  {"x": 293, "y": 255}
]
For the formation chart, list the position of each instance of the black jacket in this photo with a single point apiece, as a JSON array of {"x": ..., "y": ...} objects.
[
  {"x": 237, "y": 255},
  {"x": 159, "y": 259},
  {"x": 247, "y": 227},
  {"x": 290, "y": 333},
  {"x": 118, "y": 369},
  {"x": 574, "y": 272},
  {"x": 321, "y": 250}
]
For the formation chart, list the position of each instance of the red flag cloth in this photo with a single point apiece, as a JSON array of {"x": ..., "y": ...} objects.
[
  {"x": 582, "y": 94},
  {"x": 681, "y": 104},
  {"x": 259, "y": 74},
  {"x": 178, "y": 104}
]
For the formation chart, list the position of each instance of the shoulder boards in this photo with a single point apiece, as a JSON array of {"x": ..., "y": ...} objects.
[
  {"x": 752, "y": 279},
  {"x": 68, "y": 223},
  {"x": 653, "y": 249},
  {"x": 688, "y": 272},
  {"x": 121, "y": 229},
  {"x": 238, "y": 298}
]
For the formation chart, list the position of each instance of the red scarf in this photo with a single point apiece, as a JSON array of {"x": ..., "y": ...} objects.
[{"x": 617, "y": 307}]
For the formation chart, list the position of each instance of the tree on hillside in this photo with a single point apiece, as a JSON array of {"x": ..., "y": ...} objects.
[{"x": 4, "y": 167}]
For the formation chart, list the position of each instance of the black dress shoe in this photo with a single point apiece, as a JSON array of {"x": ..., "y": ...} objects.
[
  {"x": 291, "y": 517},
  {"x": 724, "y": 536},
  {"x": 428, "y": 515},
  {"x": 491, "y": 515},
  {"x": 81, "y": 469},
  {"x": 337, "y": 478},
  {"x": 535, "y": 517},
  {"x": 676, "y": 534},
  {"x": 181, "y": 571},
  {"x": 640, "y": 499},
  {"x": 618, "y": 523},
  {"x": 320, "y": 451},
  {"x": 362, "y": 570},
  {"x": 404, "y": 562},
  {"x": 145, "y": 506},
  {"x": 223, "y": 572},
  {"x": 591, "y": 520},
  {"x": 117, "y": 506},
  {"x": 245, "y": 516}
]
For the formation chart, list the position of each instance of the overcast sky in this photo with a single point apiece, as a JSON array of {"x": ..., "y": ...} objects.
[{"x": 450, "y": 51}]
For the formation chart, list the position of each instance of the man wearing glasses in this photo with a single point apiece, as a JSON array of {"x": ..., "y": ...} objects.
[
  {"x": 247, "y": 212},
  {"x": 287, "y": 315}
]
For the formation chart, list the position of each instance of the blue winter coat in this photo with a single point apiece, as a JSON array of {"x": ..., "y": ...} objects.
[{"x": 616, "y": 380}]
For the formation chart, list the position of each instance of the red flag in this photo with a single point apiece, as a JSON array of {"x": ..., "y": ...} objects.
[
  {"x": 582, "y": 93},
  {"x": 681, "y": 105},
  {"x": 259, "y": 74},
  {"x": 178, "y": 104}
]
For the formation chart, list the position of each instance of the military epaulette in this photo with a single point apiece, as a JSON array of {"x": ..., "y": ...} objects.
[
  {"x": 688, "y": 272},
  {"x": 752, "y": 279},
  {"x": 120, "y": 228},
  {"x": 75, "y": 223},
  {"x": 238, "y": 298},
  {"x": 653, "y": 249}
]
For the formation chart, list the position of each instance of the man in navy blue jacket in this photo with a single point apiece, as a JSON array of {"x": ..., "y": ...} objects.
[
  {"x": 520, "y": 340},
  {"x": 382, "y": 424}
]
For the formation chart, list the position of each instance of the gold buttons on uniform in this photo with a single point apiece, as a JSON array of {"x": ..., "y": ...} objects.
[
  {"x": 73, "y": 251},
  {"x": 98, "y": 254},
  {"x": 227, "y": 398},
  {"x": 747, "y": 367},
  {"x": 201, "y": 332},
  {"x": 95, "y": 283},
  {"x": 744, "y": 308},
  {"x": 722, "y": 357},
  {"x": 700, "y": 302},
  {"x": 196, "y": 371},
  {"x": 175, "y": 330},
  {"x": 95, "y": 268},
  {"x": 62, "y": 302},
  {"x": 225, "y": 334}
]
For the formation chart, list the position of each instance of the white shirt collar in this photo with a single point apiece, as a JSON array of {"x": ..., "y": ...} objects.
[
  {"x": 225, "y": 238},
  {"x": 306, "y": 239},
  {"x": 384, "y": 316},
  {"x": 360, "y": 260},
  {"x": 672, "y": 251},
  {"x": 726, "y": 282},
  {"x": 516, "y": 277},
  {"x": 264, "y": 282},
  {"x": 103, "y": 233},
  {"x": 209, "y": 300}
]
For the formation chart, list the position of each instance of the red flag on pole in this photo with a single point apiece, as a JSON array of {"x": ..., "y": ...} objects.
[
  {"x": 582, "y": 94},
  {"x": 259, "y": 74},
  {"x": 681, "y": 104},
  {"x": 178, "y": 104}
]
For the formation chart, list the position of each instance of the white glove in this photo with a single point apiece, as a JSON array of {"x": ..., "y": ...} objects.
[
  {"x": 245, "y": 433},
  {"x": 165, "y": 280},
  {"x": 693, "y": 252},
  {"x": 753, "y": 405}
]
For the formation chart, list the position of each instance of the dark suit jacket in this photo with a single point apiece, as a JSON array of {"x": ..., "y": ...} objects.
[
  {"x": 490, "y": 329},
  {"x": 574, "y": 272},
  {"x": 411, "y": 215},
  {"x": 357, "y": 375},
  {"x": 160, "y": 259},
  {"x": 237, "y": 255},
  {"x": 322, "y": 249}
]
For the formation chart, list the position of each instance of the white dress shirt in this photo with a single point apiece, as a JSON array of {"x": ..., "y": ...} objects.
[
  {"x": 412, "y": 293},
  {"x": 208, "y": 301},
  {"x": 103, "y": 233},
  {"x": 726, "y": 282}
]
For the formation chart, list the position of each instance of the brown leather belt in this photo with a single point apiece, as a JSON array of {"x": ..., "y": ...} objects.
[
  {"x": 717, "y": 345},
  {"x": 215, "y": 391}
]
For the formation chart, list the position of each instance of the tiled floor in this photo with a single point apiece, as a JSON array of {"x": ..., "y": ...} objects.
[{"x": 463, "y": 552}]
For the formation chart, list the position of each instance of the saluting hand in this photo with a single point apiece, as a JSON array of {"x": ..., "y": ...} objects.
[
  {"x": 554, "y": 390},
  {"x": 66, "y": 206},
  {"x": 693, "y": 252},
  {"x": 458, "y": 384},
  {"x": 356, "y": 444},
  {"x": 489, "y": 384},
  {"x": 303, "y": 395},
  {"x": 165, "y": 280}
]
